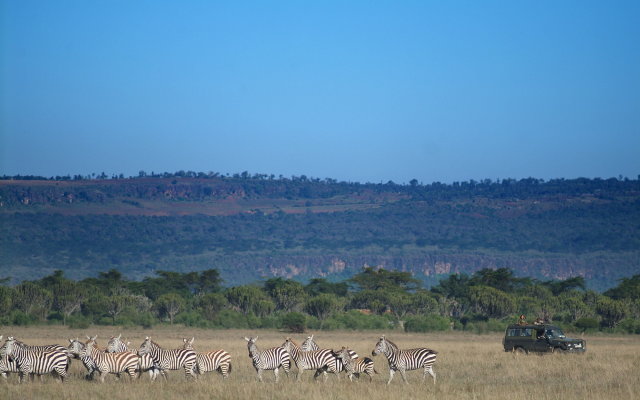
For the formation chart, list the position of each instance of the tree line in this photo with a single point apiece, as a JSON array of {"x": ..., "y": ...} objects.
[{"x": 371, "y": 299}]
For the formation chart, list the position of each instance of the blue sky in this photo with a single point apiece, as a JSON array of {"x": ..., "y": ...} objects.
[{"x": 365, "y": 91}]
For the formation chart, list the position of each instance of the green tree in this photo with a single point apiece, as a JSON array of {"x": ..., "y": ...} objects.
[
  {"x": 611, "y": 311},
  {"x": 373, "y": 279},
  {"x": 6, "y": 300},
  {"x": 322, "y": 306},
  {"x": 295, "y": 322},
  {"x": 33, "y": 299},
  {"x": 210, "y": 304},
  {"x": 287, "y": 294},
  {"x": 68, "y": 297},
  {"x": 244, "y": 298},
  {"x": 168, "y": 305},
  {"x": 492, "y": 302}
]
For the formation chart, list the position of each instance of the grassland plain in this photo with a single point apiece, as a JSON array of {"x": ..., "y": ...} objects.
[{"x": 468, "y": 367}]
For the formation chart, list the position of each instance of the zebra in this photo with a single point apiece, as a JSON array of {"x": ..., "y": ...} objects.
[
  {"x": 269, "y": 359},
  {"x": 218, "y": 360},
  {"x": 145, "y": 361},
  {"x": 169, "y": 359},
  {"x": 7, "y": 365},
  {"x": 105, "y": 363},
  {"x": 322, "y": 359},
  {"x": 356, "y": 366},
  {"x": 75, "y": 348},
  {"x": 39, "y": 362},
  {"x": 309, "y": 344},
  {"x": 406, "y": 360}
]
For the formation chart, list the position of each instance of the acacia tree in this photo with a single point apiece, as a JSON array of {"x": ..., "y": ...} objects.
[
  {"x": 32, "y": 299},
  {"x": 68, "y": 296},
  {"x": 492, "y": 302},
  {"x": 322, "y": 306},
  {"x": 169, "y": 304}
]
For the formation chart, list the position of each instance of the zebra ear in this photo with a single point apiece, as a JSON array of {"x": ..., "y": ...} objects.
[
  {"x": 184, "y": 340},
  {"x": 192, "y": 339},
  {"x": 119, "y": 336},
  {"x": 88, "y": 337},
  {"x": 247, "y": 339},
  {"x": 70, "y": 340}
]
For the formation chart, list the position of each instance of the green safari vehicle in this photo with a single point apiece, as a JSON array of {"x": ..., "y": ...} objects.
[{"x": 543, "y": 338}]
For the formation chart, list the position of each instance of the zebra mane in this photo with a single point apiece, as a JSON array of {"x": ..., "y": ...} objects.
[
  {"x": 293, "y": 343},
  {"x": 393, "y": 345}
]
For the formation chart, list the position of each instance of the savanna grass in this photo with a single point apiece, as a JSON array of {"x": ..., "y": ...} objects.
[{"x": 468, "y": 367}]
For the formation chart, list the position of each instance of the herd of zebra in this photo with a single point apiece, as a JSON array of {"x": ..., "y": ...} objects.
[{"x": 118, "y": 358}]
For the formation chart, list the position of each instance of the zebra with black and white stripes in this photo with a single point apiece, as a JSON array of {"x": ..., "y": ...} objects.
[
  {"x": 145, "y": 361},
  {"x": 38, "y": 362},
  {"x": 309, "y": 344},
  {"x": 269, "y": 359},
  {"x": 107, "y": 363},
  {"x": 218, "y": 360},
  {"x": 322, "y": 359},
  {"x": 76, "y": 350},
  {"x": 355, "y": 366},
  {"x": 406, "y": 360},
  {"x": 173, "y": 359},
  {"x": 7, "y": 365}
]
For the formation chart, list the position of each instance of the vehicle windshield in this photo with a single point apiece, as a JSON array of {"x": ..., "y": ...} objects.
[{"x": 555, "y": 333}]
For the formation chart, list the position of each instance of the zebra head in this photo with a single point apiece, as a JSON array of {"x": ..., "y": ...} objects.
[
  {"x": 116, "y": 345},
  {"x": 251, "y": 345},
  {"x": 309, "y": 344},
  {"x": 381, "y": 346},
  {"x": 342, "y": 354},
  {"x": 76, "y": 348},
  {"x": 187, "y": 344},
  {"x": 8, "y": 347},
  {"x": 145, "y": 347}
]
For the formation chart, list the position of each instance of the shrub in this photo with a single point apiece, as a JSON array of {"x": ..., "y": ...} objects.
[
  {"x": 429, "y": 323},
  {"x": 587, "y": 323},
  {"x": 78, "y": 322},
  {"x": 294, "y": 321}
]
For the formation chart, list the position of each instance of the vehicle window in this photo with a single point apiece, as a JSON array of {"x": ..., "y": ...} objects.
[
  {"x": 513, "y": 332},
  {"x": 555, "y": 333},
  {"x": 526, "y": 332}
]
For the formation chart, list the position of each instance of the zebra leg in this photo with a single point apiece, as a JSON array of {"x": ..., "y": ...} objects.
[
  {"x": 260, "y": 375},
  {"x": 430, "y": 371},
  {"x": 404, "y": 376},
  {"x": 391, "y": 373},
  {"x": 275, "y": 372}
]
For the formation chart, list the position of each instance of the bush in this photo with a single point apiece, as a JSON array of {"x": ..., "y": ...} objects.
[
  {"x": 78, "y": 322},
  {"x": 295, "y": 322},
  {"x": 355, "y": 320},
  {"x": 21, "y": 319},
  {"x": 429, "y": 323},
  {"x": 587, "y": 323},
  {"x": 628, "y": 326}
]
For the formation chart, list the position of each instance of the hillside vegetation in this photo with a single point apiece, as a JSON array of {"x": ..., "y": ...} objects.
[{"x": 253, "y": 226}]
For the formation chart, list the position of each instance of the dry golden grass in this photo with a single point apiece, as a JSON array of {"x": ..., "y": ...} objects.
[{"x": 468, "y": 367}]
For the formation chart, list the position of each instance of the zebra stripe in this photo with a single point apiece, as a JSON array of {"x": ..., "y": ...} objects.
[
  {"x": 406, "y": 360},
  {"x": 309, "y": 344},
  {"x": 315, "y": 359},
  {"x": 357, "y": 366},
  {"x": 75, "y": 348},
  {"x": 108, "y": 363},
  {"x": 269, "y": 359},
  {"x": 218, "y": 360},
  {"x": 38, "y": 362},
  {"x": 145, "y": 361},
  {"x": 6, "y": 365},
  {"x": 169, "y": 359}
]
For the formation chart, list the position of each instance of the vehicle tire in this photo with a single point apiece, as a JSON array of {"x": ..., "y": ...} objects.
[{"x": 519, "y": 351}]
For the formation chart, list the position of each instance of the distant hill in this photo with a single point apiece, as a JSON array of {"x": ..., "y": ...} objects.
[{"x": 254, "y": 226}]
